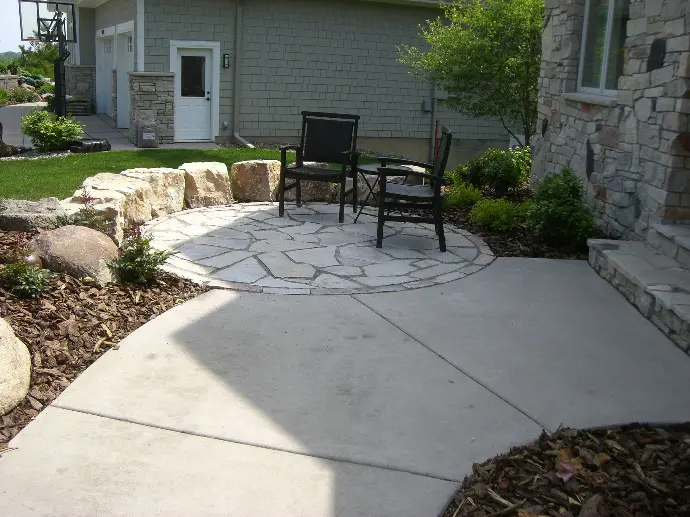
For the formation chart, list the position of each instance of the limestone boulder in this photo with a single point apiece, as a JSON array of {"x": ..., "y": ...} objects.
[
  {"x": 206, "y": 184},
  {"x": 120, "y": 200},
  {"x": 15, "y": 369},
  {"x": 77, "y": 251},
  {"x": 24, "y": 216},
  {"x": 7, "y": 150},
  {"x": 255, "y": 180},
  {"x": 168, "y": 187}
]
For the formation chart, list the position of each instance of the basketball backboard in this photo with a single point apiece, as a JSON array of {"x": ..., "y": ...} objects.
[{"x": 39, "y": 20}]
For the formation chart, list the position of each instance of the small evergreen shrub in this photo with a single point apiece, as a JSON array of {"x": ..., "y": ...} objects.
[
  {"x": 35, "y": 80},
  {"x": 498, "y": 215},
  {"x": 559, "y": 215},
  {"x": 139, "y": 262},
  {"x": 49, "y": 132},
  {"x": 463, "y": 195},
  {"x": 88, "y": 215},
  {"x": 498, "y": 171},
  {"x": 24, "y": 280},
  {"x": 4, "y": 96}
]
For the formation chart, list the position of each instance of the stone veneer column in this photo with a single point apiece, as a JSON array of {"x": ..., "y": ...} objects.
[
  {"x": 153, "y": 98},
  {"x": 80, "y": 81},
  {"x": 632, "y": 152}
]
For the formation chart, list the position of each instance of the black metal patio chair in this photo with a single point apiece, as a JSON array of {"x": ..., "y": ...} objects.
[
  {"x": 327, "y": 138},
  {"x": 403, "y": 197}
]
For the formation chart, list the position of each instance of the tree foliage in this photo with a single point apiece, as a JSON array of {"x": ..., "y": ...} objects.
[{"x": 486, "y": 54}]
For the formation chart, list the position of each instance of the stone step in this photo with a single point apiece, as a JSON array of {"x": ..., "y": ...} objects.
[
  {"x": 656, "y": 284},
  {"x": 673, "y": 240}
]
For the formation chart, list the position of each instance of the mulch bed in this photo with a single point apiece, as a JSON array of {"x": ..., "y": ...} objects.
[
  {"x": 519, "y": 243},
  {"x": 73, "y": 325},
  {"x": 635, "y": 471}
]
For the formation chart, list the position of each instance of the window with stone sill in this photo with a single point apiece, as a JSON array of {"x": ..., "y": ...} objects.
[{"x": 603, "y": 46}]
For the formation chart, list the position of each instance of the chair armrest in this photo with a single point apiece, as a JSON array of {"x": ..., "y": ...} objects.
[
  {"x": 283, "y": 154},
  {"x": 402, "y": 161},
  {"x": 384, "y": 172},
  {"x": 351, "y": 157}
]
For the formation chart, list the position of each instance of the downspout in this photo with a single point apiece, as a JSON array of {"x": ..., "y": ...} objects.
[
  {"x": 432, "y": 134},
  {"x": 236, "y": 90}
]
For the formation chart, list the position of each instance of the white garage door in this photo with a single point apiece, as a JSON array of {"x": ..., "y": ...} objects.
[
  {"x": 125, "y": 64},
  {"x": 105, "y": 61}
]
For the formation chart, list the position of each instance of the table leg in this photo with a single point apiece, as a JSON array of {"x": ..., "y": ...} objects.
[{"x": 371, "y": 192}]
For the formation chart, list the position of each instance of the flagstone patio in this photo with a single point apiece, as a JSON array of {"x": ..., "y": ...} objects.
[{"x": 247, "y": 246}]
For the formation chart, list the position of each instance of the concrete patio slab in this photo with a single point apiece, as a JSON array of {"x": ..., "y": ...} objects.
[
  {"x": 70, "y": 464},
  {"x": 325, "y": 377},
  {"x": 551, "y": 338}
]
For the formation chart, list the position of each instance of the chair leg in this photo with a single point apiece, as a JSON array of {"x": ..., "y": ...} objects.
[
  {"x": 298, "y": 194},
  {"x": 439, "y": 227},
  {"x": 281, "y": 195},
  {"x": 382, "y": 216},
  {"x": 355, "y": 193},
  {"x": 341, "y": 214}
]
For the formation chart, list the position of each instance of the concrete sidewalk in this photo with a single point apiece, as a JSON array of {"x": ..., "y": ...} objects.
[{"x": 374, "y": 405}]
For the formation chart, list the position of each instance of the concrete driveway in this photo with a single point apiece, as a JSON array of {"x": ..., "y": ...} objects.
[{"x": 249, "y": 404}]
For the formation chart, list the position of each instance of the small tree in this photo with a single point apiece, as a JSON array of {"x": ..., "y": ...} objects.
[{"x": 486, "y": 54}]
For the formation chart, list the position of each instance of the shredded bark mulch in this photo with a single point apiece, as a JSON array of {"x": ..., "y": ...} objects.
[
  {"x": 634, "y": 471},
  {"x": 519, "y": 243},
  {"x": 72, "y": 325}
]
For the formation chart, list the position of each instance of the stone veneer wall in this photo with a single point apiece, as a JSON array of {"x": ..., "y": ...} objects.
[
  {"x": 9, "y": 82},
  {"x": 634, "y": 152},
  {"x": 153, "y": 98},
  {"x": 81, "y": 81}
]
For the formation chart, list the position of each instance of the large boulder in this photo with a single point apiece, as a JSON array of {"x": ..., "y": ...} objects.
[
  {"x": 77, "y": 251},
  {"x": 168, "y": 187},
  {"x": 21, "y": 215},
  {"x": 15, "y": 369},
  {"x": 206, "y": 184},
  {"x": 7, "y": 150},
  {"x": 255, "y": 180},
  {"x": 122, "y": 201},
  {"x": 314, "y": 191}
]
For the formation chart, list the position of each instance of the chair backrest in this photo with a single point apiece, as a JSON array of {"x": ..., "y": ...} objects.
[
  {"x": 443, "y": 151},
  {"x": 326, "y": 136}
]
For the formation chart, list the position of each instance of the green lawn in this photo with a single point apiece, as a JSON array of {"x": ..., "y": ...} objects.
[{"x": 60, "y": 177}]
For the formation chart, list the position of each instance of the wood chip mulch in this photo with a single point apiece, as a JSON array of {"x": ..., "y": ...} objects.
[
  {"x": 73, "y": 325},
  {"x": 634, "y": 471},
  {"x": 519, "y": 243}
]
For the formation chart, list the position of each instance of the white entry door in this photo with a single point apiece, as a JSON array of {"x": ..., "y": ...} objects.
[
  {"x": 104, "y": 74},
  {"x": 193, "y": 95},
  {"x": 125, "y": 64}
]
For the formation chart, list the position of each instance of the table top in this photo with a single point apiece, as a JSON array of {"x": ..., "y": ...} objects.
[{"x": 373, "y": 168}]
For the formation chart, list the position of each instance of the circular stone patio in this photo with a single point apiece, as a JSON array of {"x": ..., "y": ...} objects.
[{"x": 247, "y": 246}]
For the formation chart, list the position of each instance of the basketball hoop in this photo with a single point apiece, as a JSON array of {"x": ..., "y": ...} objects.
[
  {"x": 41, "y": 20},
  {"x": 50, "y": 22}
]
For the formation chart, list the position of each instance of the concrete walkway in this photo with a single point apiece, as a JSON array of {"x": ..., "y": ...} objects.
[{"x": 249, "y": 404}]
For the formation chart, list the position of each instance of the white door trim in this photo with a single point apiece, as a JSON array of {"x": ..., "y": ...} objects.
[
  {"x": 214, "y": 46},
  {"x": 139, "y": 39}
]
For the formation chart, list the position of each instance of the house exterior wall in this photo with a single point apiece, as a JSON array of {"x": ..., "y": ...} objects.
[
  {"x": 80, "y": 80},
  {"x": 114, "y": 12},
  {"x": 314, "y": 55},
  {"x": 85, "y": 37},
  {"x": 632, "y": 151}
]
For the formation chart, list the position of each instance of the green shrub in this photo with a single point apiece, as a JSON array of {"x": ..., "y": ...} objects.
[
  {"x": 20, "y": 96},
  {"x": 4, "y": 96},
  {"x": 25, "y": 281},
  {"x": 34, "y": 80},
  {"x": 462, "y": 194},
  {"x": 47, "y": 88},
  {"x": 49, "y": 132},
  {"x": 498, "y": 215},
  {"x": 559, "y": 215},
  {"x": 497, "y": 172},
  {"x": 139, "y": 262}
]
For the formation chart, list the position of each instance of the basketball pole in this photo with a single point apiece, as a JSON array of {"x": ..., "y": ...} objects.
[{"x": 60, "y": 104}]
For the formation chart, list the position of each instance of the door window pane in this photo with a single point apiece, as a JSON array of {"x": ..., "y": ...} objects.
[
  {"x": 617, "y": 47},
  {"x": 595, "y": 40},
  {"x": 193, "y": 76}
]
